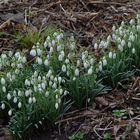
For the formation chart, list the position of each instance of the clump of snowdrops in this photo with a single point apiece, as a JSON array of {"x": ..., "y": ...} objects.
[
  {"x": 35, "y": 94},
  {"x": 121, "y": 52}
]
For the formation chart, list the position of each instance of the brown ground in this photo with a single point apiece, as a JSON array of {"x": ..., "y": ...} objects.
[{"x": 87, "y": 20}]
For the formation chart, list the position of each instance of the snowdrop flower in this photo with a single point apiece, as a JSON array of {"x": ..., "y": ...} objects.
[
  {"x": 77, "y": 72},
  {"x": 67, "y": 61},
  {"x": 39, "y": 52},
  {"x": 100, "y": 66},
  {"x": 4, "y": 89},
  {"x": 123, "y": 43},
  {"x": 61, "y": 91},
  {"x": 132, "y": 38},
  {"x": 51, "y": 50},
  {"x": 129, "y": 44},
  {"x": 47, "y": 94},
  {"x": 78, "y": 63},
  {"x": 64, "y": 68},
  {"x": 10, "y": 112},
  {"x": 50, "y": 83},
  {"x": 9, "y": 96},
  {"x": 56, "y": 105},
  {"x": 53, "y": 42},
  {"x": 132, "y": 21},
  {"x": 60, "y": 57},
  {"x": 62, "y": 53},
  {"x": 113, "y": 28},
  {"x": 34, "y": 100},
  {"x": 46, "y": 62},
  {"x": 133, "y": 50},
  {"x": 110, "y": 55},
  {"x": 15, "y": 100},
  {"x": 54, "y": 85},
  {"x": 138, "y": 28},
  {"x": 3, "y": 81},
  {"x": 19, "y": 105},
  {"x": 45, "y": 44},
  {"x": 10, "y": 53},
  {"x": 3, "y": 106},
  {"x": 95, "y": 46},
  {"x": 59, "y": 48},
  {"x": 74, "y": 78},
  {"x": 91, "y": 61},
  {"x": 90, "y": 71},
  {"x": 27, "y": 82},
  {"x": 65, "y": 92},
  {"x": 114, "y": 55},
  {"x": 109, "y": 38},
  {"x": 30, "y": 100},
  {"x": 3, "y": 56},
  {"x": 59, "y": 79},
  {"x": 19, "y": 93},
  {"x": 43, "y": 85},
  {"x": 33, "y": 52},
  {"x": 39, "y": 60},
  {"x": 120, "y": 47},
  {"x": 58, "y": 37},
  {"x": 27, "y": 93},
  {"x": 86, "y": 65},
  {"x": 104, "y": 62}
]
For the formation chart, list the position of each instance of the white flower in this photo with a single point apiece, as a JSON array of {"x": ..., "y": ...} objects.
[
  {"x": 43, "y": 85},
  {"x": 53, "y": 42},
  {"x": 39, "y": 60},
  {"x": 90, "y": 71},
  {"x": 59, "y": 79},
  {"x": 59, "y": 48},
  {"x": 86, "y": 65},
  {"x": 58, "y": 37},
  {"x": 3, "y": 106},
  {"x": 74, "y": 78},
  {"x": 138, "y": 28},
  {"x": 92, "y": 61},
  {"x": 39, "y": 52},
  {"x": 61, "y": 91},
  {"x": 34, "y": 100},
  {"x": 3, "y": 56},
  {"x": 33, "y": 52},
  {"x": 113, "y": 28},
  {"x": 65, "y": 92},
  {"x": 77, "y": 72},
  {"x": 4, "y": 89},
  {"x": 123, "y": 43},
  {"x": 46, "y": 62},
  {"x": 120, "y": 47},
  {"x": 56, "y": 105},
  {"x": 64, "y": 68},
  {"x": 27, "y": 93},
  {"x": 129, "y": 44},
  {"x": 54, "y": 85},
  {"x": 45, "y": 44},
  {"x": 104, "y": 62},
  {"x": 78, "y": 63},
  {"x": 110, "y": 55},
  {"x": 132, "y": 38},
  {"x": 10, "y": 112},
  {"x": 30, "y": 100},
  {"x": 3, "y": 81},
  {"x": 19, "y": 105},
  {"x": 62, "y": 53},
  {"x": 95, "y": 46},
  {"x": 47, "y": 94},
  {"x": 9, "y": 96},
  {"x": 51, "y": 50},
  {"x": 67, "y": 61},
  {"x": 100, "y": 67},
  {"x": 133, "y": 50},
  {"x": 27, "y": 82},
  {"x": 60, "y": 57},
  {"x": 15, "y": 100},
  {"x": 132, "y": 21},
  {"x": 114, "y": 55}
]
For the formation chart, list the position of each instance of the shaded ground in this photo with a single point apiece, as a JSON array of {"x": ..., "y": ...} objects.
[{"x": 87, "y": 20}]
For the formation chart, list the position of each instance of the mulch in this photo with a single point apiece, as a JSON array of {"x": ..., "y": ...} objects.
[{"x": 87, "y": 20}]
